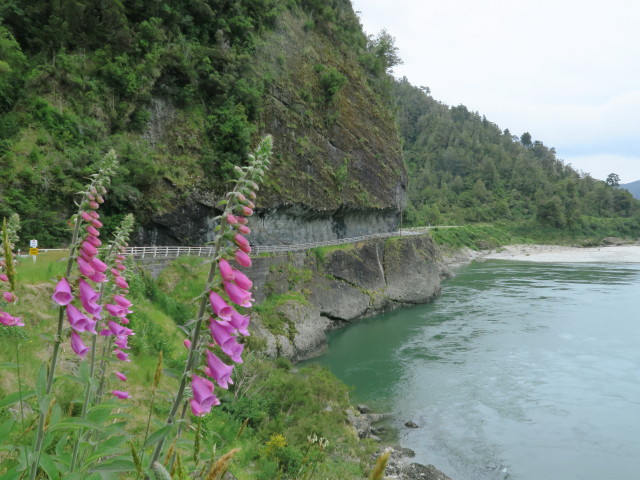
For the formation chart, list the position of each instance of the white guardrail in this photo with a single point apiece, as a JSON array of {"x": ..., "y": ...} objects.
[{"x": 173, "y": 252}]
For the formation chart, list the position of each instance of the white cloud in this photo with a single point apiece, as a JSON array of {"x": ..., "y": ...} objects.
[
  {"x": 599, "y": 166},
  {"x": 567, "y": 71}
]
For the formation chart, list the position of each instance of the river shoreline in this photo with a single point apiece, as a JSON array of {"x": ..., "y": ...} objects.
[{"x": 564, "y": 254}]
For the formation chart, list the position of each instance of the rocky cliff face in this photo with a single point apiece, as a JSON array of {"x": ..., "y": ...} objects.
[
  {"x": 337, "y": 169},
  {"x": 301, "y": 296}
]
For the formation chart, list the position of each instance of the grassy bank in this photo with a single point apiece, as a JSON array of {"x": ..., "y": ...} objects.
[
  {"x": 588, "y": 231},
  {"x": 272, "y": 413}
]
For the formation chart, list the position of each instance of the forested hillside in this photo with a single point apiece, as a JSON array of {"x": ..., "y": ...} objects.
[
  {"x": 180, "y": 90},
  {"x": 465, "y": 169}
]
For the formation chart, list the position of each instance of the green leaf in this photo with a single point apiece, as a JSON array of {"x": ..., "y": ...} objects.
[
  {"x": 76, "y": 424},
  {"x": 6, "y": 427},
  {"x": 15, "y": 397},
  {"x": 11, "y": 474},
  {"x": 71, "y": 378},
  {"x": 115, "y": 465},
  {"x": 47, "y": 337},
  {"x": 99, "y": 414},
  {"x": 158, "y": 435},
  {"x": 160, "y": 471},
  {"x": 109, "y": 447},
  {"x": 49, "y": 466}
]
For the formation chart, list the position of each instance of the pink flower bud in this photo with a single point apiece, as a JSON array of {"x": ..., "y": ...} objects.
[
  {"x": 121, "y": 376},
  {"x": 242, "y": 258},
  {"x": 243, "y": 243},
  {"x": 9, "y": 297},
  {"x": 94, "y": 205},
  {"x": 93, "y": 231},
  {"x": 4, "y": 278},
  {"x": 96, "y": 223},
  {"x": 187, "y": 343},
  {"x": 244, "y": 230},
  {"x": 120, "y": 394},
  {"x": 231, "y": 219},
  {"x": 226, "y": 272},
  {"x": 78, "y": 346},
  {"x": 10, "y": 321},
  {"x": 86, "y": 217}
]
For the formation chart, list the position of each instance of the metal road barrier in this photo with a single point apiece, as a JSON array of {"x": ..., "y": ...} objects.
[{"x": 149, "y": 253}]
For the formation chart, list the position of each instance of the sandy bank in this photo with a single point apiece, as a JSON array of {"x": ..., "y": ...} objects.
[{"x": 560, "y": 254}]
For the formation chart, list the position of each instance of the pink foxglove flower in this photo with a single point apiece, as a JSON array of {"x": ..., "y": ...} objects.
[
  {"x": 96, "y": 223},
  {"x": 120, "y": 376},
  {"x": 98, "y": 265},
  {"x": 242, "y": 258},
  {"x": 92, "y": 231},
  {"x": 120, "y": 394},
  {"x": 242, "y": 280},
  {"x": 86, "y": 217},
  {"x": 85, "y": 268},
  {"x": 221, "y": 333},
  {"x": 78, "y": 321},
  {"x": 187, "y": 343},
  {"x": 226, "y": 271},
  {"x": 122, "y": 283},
  {"x": 231, "y": 220},
  {"x": 89, "y": 297},
  {"x": 243, "y": 243},
  {"x": 98, "y": 277},
  {"x": 240, "y": 323},
  {"x": 115, "y": 310},
  {"x": 62, "y": 293},
  {"x": 244, "y": 230},
  {"x": 95, "y": 241},
  {"x": 237, "y": 295},
  {"x": 246, "y": 211},
  {"x": 9, "y": 320},
  {"x": 197, "y": 409},
  {"x": 9, "y": 297},
  {"x": 4, "y": 278},
  {"x": 219, "y": 306},
  {"x": 89, "y": 249},
  {"x": 217, "y": 370},
  {"x": 124, "y": 357},
  {"x": 203, "y": 393},
  {"x": 77, "y": 345},
  {"x": 121, "y": 342},
  {"x": 122, "y": 301}
]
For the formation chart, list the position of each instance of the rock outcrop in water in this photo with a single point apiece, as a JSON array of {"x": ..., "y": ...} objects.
[{"x": 300, "y": 296}]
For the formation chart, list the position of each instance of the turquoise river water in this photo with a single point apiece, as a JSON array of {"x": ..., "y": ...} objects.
[{"x": 518, "y": 370}]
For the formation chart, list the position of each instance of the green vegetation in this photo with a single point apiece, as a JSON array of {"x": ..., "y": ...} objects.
[
  {"x": 464, "y": 169},
  {"x": 587, "y": 232},
  {"x": 269, "y": 413},
  {"x": 178, "y": 89}
]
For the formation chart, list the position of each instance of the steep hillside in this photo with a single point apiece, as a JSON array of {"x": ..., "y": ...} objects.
[
  {"x": 180, "y": 91},
  {"x": 463, "y": 168}
]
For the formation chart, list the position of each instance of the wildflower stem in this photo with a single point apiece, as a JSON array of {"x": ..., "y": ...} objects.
[
  {"x": 54, "y": 355},
  {"x": 192, "y": 349}
]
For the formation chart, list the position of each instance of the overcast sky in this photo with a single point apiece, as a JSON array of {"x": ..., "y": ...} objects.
[{"x": 566, "y": 71}]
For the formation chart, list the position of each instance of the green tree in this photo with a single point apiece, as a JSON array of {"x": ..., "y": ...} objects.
[{"x": 613, "y": 180}]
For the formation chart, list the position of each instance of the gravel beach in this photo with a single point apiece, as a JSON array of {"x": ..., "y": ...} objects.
[{"x": 561, "y": 254}]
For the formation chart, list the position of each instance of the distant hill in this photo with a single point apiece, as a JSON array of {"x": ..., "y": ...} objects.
[{"x": 633, "y": 188}]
